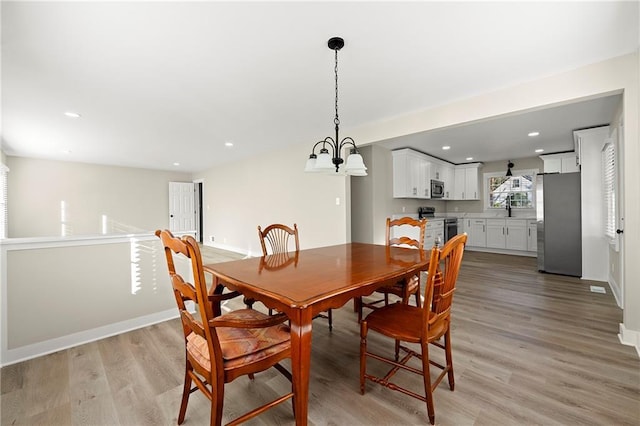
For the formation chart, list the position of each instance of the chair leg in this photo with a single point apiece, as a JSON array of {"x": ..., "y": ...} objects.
[
  {"x": 358, "y": 306},
  {"x": 397, "y": 350},
  {"x": 217, "y": 400},
  {"x": 186, "y": 391},
  {"x": 417, "y": 294},
  {"x": 426, "y": 376},
  {"x": 363, "y": 352},
  {"x": 449, "y": 358},
  {"x": 330, "y": 315}
]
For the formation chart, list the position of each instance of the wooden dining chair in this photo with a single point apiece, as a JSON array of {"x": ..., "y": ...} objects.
[
  {"x": 423, "y": 326},
  {"x": 221, "y": 348},
  {"x": 279, "y": 239},
  {"x": 406, "y": 287}
]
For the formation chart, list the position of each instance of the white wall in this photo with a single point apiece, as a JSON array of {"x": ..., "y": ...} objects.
[
  {"x": 65, "y": 292},
  {"x": 595, "y": 247},
  {"x": 272, "y": 188},
  {"x": 133, "y": 200}
]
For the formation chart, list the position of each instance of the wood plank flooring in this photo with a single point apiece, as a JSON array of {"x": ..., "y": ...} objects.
[{"x": 528, "y": 348}]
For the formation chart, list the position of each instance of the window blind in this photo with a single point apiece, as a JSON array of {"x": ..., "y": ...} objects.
[{"x": 609, "y": 189}]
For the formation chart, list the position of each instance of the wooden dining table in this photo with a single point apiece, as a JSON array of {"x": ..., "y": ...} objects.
[{"x": 303, "y": 284}]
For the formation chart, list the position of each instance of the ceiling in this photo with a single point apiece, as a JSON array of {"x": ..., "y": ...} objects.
[
  {"x": 507, "y": 137},
  {"x": 165, "y": 83}
]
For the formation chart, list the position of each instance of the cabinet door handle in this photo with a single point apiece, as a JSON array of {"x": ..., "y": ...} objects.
[{"x": 503, "y": 230}]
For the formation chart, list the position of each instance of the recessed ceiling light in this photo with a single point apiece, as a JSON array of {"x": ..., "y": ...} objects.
[
  {"x": 446, "y": 147},
  {"x": 539, "y": 150},
  {"x": 533, "y": 134},
  {"x": 228, "y": 144},
  {"x": 72, "y": 114},
  {"x": 469, "y": 158},
  {"x": 176, "y": 164}
]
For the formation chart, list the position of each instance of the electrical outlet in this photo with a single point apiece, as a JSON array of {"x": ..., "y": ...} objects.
[{"x": 212, "y": 238}]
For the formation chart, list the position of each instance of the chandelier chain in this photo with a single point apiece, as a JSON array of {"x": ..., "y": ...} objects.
[{"x": 336, "y": 120}]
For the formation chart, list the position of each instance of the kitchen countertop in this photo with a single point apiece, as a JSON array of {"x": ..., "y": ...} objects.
[{"x": 442, "y": 216}]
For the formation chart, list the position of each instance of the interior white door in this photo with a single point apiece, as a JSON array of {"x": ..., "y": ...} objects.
[{"x": 182, "y": 211}]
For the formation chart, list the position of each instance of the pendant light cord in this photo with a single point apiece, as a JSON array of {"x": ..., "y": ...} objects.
[{"x": 336, "y": 120}]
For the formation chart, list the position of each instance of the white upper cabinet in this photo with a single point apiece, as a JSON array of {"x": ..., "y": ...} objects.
[
  {"x": 411, "y": 174},
  {"x": 567, "y": 162},
  {"x": 466, "y": 182},
  {"x": 447, "y": 176}
]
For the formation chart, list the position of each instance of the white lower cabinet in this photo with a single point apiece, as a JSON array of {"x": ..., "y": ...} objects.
[
  {"x": 476, "y": 232},
  {"x": 508, "y": 234},
  {"x": 434, "y": 229},
  {"x": 496, "y": 233},
  {"x": 516, "y": 237},
  {"x": 532, "y": 235}
]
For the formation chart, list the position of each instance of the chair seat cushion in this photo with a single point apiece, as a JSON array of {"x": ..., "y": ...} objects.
[
  {"x": 403, "y": 322},
  {"x": 241, "y": 346}
]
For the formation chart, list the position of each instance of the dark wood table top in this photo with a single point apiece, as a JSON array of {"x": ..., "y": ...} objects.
[{"x": 318, "y": 274}]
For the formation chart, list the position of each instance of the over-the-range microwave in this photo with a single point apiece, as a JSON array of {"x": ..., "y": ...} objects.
[{"x": 437, "y": 188}]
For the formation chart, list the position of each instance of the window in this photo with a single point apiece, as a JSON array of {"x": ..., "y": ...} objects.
[
  {"x": 609, "y": 189},
  {"x": 517, "y": 190},
  {"x": 3, "y": 200}
]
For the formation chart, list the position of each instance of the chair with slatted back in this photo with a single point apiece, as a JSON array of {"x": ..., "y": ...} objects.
[
  {"x": 423, "y": 326},
  {"x": 407, "y": 287},
  {"x": 279, "y": 239},
  {"x": 221, "y": 348}
]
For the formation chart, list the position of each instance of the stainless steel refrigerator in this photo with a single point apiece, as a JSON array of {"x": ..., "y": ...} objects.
[{"x": 559, "y": 223}]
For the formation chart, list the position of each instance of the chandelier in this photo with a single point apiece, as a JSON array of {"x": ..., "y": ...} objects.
[{"x": 325, "y": 161}]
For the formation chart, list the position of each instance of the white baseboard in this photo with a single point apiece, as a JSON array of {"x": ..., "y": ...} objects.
[
  {"x": 629, "y": 338},
  {"x": 233, "y": 249},
  {"x": 615, "y": 289},
  {"x": 23, "y": 353},
  {"x": 502, "y": 251}
]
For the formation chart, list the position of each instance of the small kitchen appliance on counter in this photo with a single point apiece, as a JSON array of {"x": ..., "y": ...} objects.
[{"x": 425, "y": 212}]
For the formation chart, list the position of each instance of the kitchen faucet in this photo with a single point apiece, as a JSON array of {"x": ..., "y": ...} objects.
[{"x": 509, "y": 205}]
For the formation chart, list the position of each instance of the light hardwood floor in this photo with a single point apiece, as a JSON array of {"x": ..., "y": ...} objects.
[{"x": 528, "y": 348}]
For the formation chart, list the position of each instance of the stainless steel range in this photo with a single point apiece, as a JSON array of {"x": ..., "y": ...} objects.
[{"x": 450, "y": 228}]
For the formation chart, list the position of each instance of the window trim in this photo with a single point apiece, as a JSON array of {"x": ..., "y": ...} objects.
[{"x": 487, "y": 193}]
